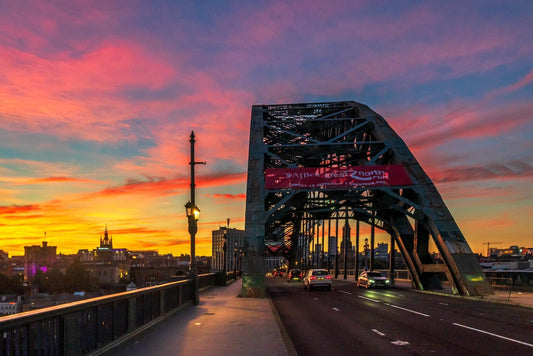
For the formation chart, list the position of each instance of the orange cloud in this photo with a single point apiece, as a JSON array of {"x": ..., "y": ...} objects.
[
  {"x": 16, "y": 209},
  {"x": 239, "y": 197},
  {"x": 58, "y": 179}
]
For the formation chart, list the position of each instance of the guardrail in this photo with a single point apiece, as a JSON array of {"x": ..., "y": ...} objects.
[
  {"x": 398, "y": 274},
  {"x": 80, "y": 328}
]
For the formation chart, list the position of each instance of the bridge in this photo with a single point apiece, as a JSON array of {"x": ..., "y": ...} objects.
[{"x": 310, "y": 167}]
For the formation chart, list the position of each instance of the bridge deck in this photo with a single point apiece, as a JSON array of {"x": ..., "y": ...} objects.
[{"x": 222, "y": 324}]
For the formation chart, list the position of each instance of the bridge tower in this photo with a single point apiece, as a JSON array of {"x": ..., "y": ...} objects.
[{"x": 315, "y": 164}]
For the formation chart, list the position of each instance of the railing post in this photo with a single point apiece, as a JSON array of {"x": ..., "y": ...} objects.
[
  {"x": 162, "y": 301},
  {"x": 132, "y": 310}
]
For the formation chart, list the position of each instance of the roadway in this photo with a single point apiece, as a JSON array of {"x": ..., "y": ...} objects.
[{"x": 351, "y": 320}]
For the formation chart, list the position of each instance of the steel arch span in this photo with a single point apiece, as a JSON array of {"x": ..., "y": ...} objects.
[{"x": 313, "y": 165}]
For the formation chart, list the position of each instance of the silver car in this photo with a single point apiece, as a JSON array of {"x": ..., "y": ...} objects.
[
  {"x": 317, "y": 278},
  {"x": 372, "y": 279}
]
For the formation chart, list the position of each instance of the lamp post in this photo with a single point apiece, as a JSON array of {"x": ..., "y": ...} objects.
[
  {"x": 365, "y": 251},
  {"x": 235, "y": 261},
  {"x": 193, "y": 214},
  {"x": 224, "y": 248}
]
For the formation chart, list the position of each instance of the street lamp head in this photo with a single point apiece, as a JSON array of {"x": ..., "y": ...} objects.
[{"x": 192, "y": 211}]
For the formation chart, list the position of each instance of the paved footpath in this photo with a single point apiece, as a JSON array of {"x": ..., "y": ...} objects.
[{"x": 222, "y": 324}]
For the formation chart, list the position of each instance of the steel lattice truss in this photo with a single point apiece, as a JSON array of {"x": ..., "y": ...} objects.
[{"x": 344, "y": 134}]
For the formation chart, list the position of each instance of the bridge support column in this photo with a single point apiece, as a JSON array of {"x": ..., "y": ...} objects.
[{"x": 253, "y": 278}]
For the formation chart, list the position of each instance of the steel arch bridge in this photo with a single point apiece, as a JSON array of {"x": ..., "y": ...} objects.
[{"x": 312, "y": 165}]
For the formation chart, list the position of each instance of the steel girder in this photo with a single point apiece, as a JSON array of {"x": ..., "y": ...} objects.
[{"x": 342, "y": 134}]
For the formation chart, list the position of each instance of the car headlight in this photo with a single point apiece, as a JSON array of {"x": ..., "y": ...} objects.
[
  {"x": 387, "y": 281},
  {"x": 371, "y": 281}
]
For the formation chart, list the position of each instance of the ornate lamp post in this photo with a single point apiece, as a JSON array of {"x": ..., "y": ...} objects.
[
  {"x": 224, "y": 249},
  {"x": 365, "y": 251},
  {"x": 235, "y": 261},
  {"x": 193, "y": 214}
]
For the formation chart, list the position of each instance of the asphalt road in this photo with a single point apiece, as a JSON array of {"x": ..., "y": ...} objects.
[{"x": 356, "y": 321}]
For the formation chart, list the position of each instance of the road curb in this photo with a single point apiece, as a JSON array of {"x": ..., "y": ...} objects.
[{"x": 291, "y": 350}]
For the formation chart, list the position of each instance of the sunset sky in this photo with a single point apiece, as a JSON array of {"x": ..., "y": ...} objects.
[{"x": 98, "y": 99}]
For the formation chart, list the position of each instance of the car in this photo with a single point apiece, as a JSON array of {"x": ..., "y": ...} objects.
[
  {"x": 277, "y": 273},
  {"x": 372, "y": 279},
  {"x": 317, "y": 278},
  {"x": 295, "y": 275}
]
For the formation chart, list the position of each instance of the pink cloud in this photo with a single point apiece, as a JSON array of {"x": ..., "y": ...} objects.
[
  {"x": 53, "y": 92},
  {"x": 507, "y": 170}
]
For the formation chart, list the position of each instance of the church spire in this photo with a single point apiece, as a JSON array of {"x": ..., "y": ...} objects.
[{"x": 106, "y": 242}]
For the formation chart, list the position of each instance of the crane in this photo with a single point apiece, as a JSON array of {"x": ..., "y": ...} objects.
[{"x": 488, "y": 246}]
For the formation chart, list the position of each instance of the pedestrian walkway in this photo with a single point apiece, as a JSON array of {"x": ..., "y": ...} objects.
[{"x": 222, "y": 324}]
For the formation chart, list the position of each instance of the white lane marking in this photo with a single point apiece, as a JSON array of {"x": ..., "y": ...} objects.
[
  {"x": 443, "y": 303},
  {"x": 409, "y": 310},
  {"x": 315, "y": 298},
  {"x": 395, "y": 342},
  {"x": 378, "y": 332},
  {"x": 336, "y": 309},
  {"x": 495, "y": 335},
  {"x": 345, "y": 292},
  {"x": 372, "y": 300}
]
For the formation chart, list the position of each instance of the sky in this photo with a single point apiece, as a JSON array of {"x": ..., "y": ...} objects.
[{"x": 98, "y": 99}]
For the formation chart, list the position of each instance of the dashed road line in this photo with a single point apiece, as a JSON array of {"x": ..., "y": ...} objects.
[
  {"x": 409, "y": 310},
  {"x": 371, "y": 299},
  {"x": 491, "y": 334},
  {"x": 336, "y": 309},
  {"x": 378, "y": 332},
  {"x": 395, "y": 342},
  {"x": 345, "y": 292}
]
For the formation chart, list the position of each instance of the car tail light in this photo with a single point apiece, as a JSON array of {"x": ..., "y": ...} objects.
[
  {"x": 328, "y": 277},
  {"x": 312, "y": 277}
]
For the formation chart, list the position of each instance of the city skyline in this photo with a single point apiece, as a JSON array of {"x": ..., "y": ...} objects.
[{"x": 98, "y": 102}]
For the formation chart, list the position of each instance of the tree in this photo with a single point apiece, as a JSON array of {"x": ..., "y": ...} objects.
[
  {"x": 55, "y": 281},
  {"x": 76, "y": 278},
  {"x": 39, "y": 281},
  {"x": 5, "y": 284}
]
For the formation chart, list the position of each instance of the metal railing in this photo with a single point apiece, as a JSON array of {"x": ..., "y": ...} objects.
[
  {"x": 80, "y": 328},
  {"x": 502, "y": 283}
]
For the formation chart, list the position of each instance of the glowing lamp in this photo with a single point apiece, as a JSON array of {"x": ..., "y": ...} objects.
[{"x": 192, "y": 211}]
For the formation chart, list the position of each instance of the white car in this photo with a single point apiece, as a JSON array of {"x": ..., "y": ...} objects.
[
  {"x": 372, "y": 279},
  {"x": 316, "y": 278}
]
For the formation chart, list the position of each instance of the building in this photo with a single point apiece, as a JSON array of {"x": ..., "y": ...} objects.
[
  {"x": 382, "y": 251},
  {"x": 105, "y": 264},
  {"x": 10, "y": 304},
  {"x": 106, "y": 253},
  {"x": 227, "y": 249},
  {"x": 5, "y": 264},
  {"x": 346, "y": 241},
  {"x": 38, "y": 258}
]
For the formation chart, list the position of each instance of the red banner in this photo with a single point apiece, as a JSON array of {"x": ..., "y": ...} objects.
[{"x": 336, "y": 177}]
